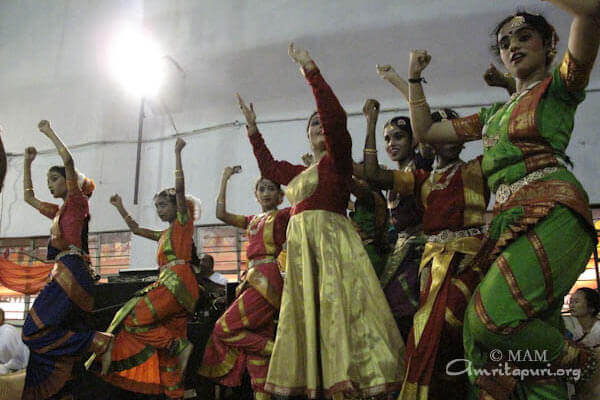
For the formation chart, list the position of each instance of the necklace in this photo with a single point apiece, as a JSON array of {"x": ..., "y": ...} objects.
[{"x": 453, "y": 167}]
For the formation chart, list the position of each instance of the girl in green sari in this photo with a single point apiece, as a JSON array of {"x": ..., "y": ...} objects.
[{"x": 542, "y": 235}]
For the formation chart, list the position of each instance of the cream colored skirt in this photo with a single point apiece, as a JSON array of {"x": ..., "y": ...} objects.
[{"x": 336, "y": 333}]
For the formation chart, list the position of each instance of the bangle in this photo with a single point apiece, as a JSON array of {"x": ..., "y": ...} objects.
[
  {"x": 370, "y": 151},
  {"x": 417, "y": 80},
  {"x": 29, "y": 189},
  {"x": 418, "y": 102}
]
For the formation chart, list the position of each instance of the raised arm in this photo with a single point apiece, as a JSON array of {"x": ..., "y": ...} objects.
[
  {"x": 388, "y": 73},
  {"x": 424, "y": 128},
  {"x": 381, "y": 178},
  {"x": 495, "y": 78},
  {"x": 28, "y": 193},
  {"x": 63, "y": 151},
  {"x": 584, "y": 37},
  {"x": 116, "y": 201},
  {"x": 179, "y": 179},
  {"x": 281, "y": 172},
  {"x": 222, "y": 214},
  {"x": 331, "y": 113}
]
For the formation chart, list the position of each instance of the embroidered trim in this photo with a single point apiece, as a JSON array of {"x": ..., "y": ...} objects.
[
  {"x": 504, "y": 191},
  {"x": 513, "y": 285},
  {"x": 544, "y": 262}
]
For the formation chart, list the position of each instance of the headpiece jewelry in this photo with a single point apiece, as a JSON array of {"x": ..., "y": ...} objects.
[{"x": 517, "y": 21}]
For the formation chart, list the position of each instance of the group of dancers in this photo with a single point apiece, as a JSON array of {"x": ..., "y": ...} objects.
[{"x": 359, "y": 315}]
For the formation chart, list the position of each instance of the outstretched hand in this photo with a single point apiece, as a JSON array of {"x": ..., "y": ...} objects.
[
  {"x": 248, "y": 112},
  {"x": 299, "y": 55},
  {"x": 387, "y": 72},
  {"x": 308, "y": 159},
  {"x": 229, "y": 171},
  {"x": 495, "y": 78},
  {"x": 44, "y": 127},
  {"x": 419, "y": 60},
  {"x": 371, "y": 109},
  {"x": 30, "y": 154},
  {"x": 116, "y": 201}
]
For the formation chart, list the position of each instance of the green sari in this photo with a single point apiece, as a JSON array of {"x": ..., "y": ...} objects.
[{"x": 538, "y": 243}]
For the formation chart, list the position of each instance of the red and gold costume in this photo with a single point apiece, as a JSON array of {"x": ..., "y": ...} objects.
[
  {"x": 55, "y": 330},
  {"x": 243, "y": 336},
  {"x": 336, "y": 333},
  {"x": 154, "y": 322},
  {"x": 454, "y": 201}
]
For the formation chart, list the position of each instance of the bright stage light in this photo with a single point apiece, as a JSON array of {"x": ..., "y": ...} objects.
[{"x": 137, "y": 62}]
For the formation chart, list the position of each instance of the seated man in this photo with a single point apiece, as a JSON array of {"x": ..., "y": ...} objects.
[{"x": 13, "y": 352}]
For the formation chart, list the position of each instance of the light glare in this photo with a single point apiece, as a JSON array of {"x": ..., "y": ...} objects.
[{"x": 136, "y": 62}]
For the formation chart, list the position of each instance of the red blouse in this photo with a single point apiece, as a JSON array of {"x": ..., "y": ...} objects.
[
  {"x": 334, "y": 169},
  {"x": 266, "y": 232},
  {"x": 455, "y": 200},
  {"x": 69, "y": 219}
]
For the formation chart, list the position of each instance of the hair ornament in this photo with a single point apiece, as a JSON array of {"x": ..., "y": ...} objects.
[
  {"x": 517, "y": 21},
  {"x": 86, "y": 185},
  {"x": 195, "y": 206}
]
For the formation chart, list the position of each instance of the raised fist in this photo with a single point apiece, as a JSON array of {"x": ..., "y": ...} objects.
[
  {"x": 179, "y": 144},
  {"x": 419, "y": 60},
  {"x": 115, "y": 200},
  {"x": 30, "y": 154},
  {"x": 371, "y": 108}
]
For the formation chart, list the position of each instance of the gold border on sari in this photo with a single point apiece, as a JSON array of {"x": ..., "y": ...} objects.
[
  {"x": 258, "y": 281},
  {"x": 468, "y": 128},
  {"x": 473, "y": 186},
  {"x": 513, "y": 285},
  {"x": 574, "y": 74},
  {"x": 66, "y": 280},
  {"x": 544, "y": 263}
]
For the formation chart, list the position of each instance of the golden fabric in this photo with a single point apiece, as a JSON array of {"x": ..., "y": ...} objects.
[
  {"x": 404, "y": 183},
  {"x": 468, "y": 128},
  {"x": 260, "y": 282},
  {"x": 574, "y": 74},
  {"x": 332, "y": 307},
  {"x": 474, "y": 192},
  {"x": 303, "y": 185},
  {"x": 441, "y": 255}
]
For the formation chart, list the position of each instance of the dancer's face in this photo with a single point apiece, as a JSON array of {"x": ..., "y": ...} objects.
[
  {"x": 315, "y": 134},
  {"x": 522, "y": 50},
  {"x": 57, "y": 184},
  {"x": 166, "y": 209},
  {"x": 450, "y": 151},
  {"x": 268, "y": 195},
  {"x": 578, "y": 305},
  {"x": 398, "y": 143}
]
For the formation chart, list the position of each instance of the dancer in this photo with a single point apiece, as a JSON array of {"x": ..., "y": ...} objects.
[
  {"x": 400, "y": 276},
  {"x": 150, "y": 353},
  {"x": 454, "y": 200},
  {"x": 55, "y": 330},
  {"x": 336, "y": 334},
  {"x": 243, "y": 337},
  {"x": 542, "y": 234}
]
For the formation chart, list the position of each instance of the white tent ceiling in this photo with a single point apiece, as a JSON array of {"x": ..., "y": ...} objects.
[{"x": 54, "y": 66}]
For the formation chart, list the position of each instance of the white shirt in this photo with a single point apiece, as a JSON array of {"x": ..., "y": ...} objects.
[
  {"x": 14, "y": 354},
  {"x": 218, "y": 278}
]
